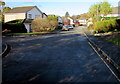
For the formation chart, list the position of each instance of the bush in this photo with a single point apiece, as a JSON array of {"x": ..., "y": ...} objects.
[
  {"x": 14, "y": 27},
  {"x": 106, "y": 26},
  {"x": 108, "y": 18},
  {"x": 52, "y": 17},
  {"x": 90, "y": 27},
  {"x": 43, "y": 25},
  {"x": 54, "y": 24},
  {"x": 80, "y": 24},
  {"x": 19, "y": 28}
]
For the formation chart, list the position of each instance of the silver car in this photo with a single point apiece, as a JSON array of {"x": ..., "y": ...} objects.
[
  {"x": 67, "y": 27},
  {"x": 70, "y": 26}
]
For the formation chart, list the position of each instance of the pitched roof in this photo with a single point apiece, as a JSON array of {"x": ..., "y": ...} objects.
[{"x": 21, "y": 9}]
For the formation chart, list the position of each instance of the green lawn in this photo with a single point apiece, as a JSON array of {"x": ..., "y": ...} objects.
[
  {"x": 30, "y": 33},
  {"x": 115, "y": 41},
  {"x": 23, "y": 33}
]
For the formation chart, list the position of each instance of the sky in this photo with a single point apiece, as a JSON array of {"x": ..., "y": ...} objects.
[{"x": 59, "y": 7}]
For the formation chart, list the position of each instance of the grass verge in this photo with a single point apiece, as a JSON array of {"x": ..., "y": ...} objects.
[
  {"x": 115, "y": 41},
  {"x": 23, "y": 33}
]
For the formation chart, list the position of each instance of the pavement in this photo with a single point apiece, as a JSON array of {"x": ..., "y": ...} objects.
[
  {"x": 65, "y": 57},
  {"x": 3, "y": 47},
  {"x": 109, "y": 48}
]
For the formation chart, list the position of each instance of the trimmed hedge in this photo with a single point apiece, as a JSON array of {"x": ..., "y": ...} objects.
[
  {"x": 108, "y": 18},
  {"x": 106, "y": 26},
  {"x": 15, "y": 26}
]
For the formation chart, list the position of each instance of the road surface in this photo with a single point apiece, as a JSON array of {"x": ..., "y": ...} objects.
[{"x": 56, "y": 58}]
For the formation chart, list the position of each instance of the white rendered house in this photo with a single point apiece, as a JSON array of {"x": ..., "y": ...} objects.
[{"x": 28, "y": 13}]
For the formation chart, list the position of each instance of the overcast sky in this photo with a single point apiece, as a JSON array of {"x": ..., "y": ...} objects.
[{"x": 59, "y": 7}]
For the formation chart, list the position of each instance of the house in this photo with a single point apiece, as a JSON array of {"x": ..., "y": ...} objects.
[
  {"x": 115, "y": 12},
  {"x": 89, "y": 22},
  {"x": 68, "y": 21},
  {"x": 82, "y": 21},
  {"x": 44, "y": 15},
  {"x": 60, "y": 20},
  {"x": 28, "y": 13},
  {"x": 71, "y": 20},
  {"x": 76, "y": 23}
]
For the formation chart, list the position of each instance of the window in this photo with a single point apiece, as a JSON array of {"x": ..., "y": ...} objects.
[{"x": 30, "y": 16}]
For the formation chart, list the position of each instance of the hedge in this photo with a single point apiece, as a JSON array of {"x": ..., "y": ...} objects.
[
  {"x": 106, "y": 26},
  {"x": 108, "y": 18},
  {"x": 15, "y": 26}
]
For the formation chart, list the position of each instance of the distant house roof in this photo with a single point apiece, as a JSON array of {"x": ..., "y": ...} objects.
[
  {"x": 21, "y": 9},
  {"x": 116, "y": 10}
]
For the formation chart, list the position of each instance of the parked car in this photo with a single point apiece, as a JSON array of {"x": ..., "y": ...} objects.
[
  {"x": 70, "y": 26},
  {"x": 67, "y": 27}
]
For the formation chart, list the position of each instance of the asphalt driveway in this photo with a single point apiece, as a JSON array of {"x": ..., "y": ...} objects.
[{"x": 57, "y": 58}]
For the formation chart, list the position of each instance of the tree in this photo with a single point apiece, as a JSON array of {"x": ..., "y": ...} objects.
[
  {"x": 1, "y": 5},
  {"x": 85, "y": 15},
  {"x": 105, "y": 8},
  {"x": 52, "y": 17},
  {"x": 75, "y": 17},
  {"x": 6, "y": 9},
  {"x": 67, "y": 14},
  {"x": 3, "y": 10},
  {"x": 96, "y": 10},
  {"x": 78, "y": 17}
]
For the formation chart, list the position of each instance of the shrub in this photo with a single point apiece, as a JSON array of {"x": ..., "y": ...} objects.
[
  {"x": 43, "y": 25},
  {"x": 108, "y": 18},
  {"x": 14, "y": 27},
  {"x": 54, "y": 24},
  {"x": 19, "y": 28},
  {"x": 106, "y": 26},
  {"x": 90, "y": 27},
  {"x": 52, "y": 17}
]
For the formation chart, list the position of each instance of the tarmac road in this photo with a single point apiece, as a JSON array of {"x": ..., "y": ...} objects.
[{"x": 55, "y": 58}]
